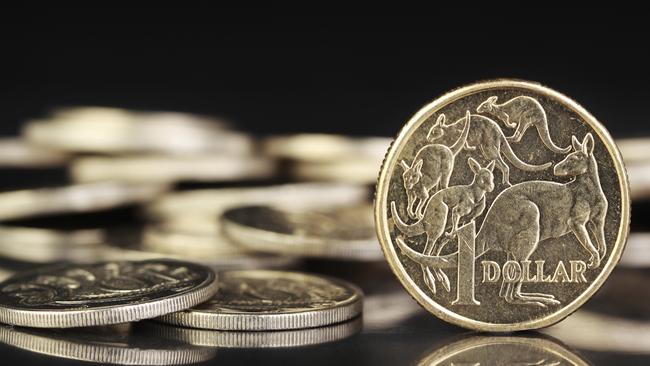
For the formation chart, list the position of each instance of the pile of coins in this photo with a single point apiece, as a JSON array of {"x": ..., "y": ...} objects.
[{"x": 193, "y": 231}]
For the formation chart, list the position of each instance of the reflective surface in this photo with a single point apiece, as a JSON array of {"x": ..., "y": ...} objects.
[{"x": 395, "y": 331}]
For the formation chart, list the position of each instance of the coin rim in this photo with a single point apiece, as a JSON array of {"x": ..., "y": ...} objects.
[
  {"x": 110, "y": 314},
  {"x": 381, "y": 214},
  {"x": 248, "y": 321}
]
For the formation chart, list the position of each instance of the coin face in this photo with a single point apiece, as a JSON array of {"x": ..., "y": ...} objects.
[
  {"x": 502, "y": 206},
  {"x": 345, "y": 232},
  {"x": 272, "y": 300},
  {"x": 104, "y": 293}
]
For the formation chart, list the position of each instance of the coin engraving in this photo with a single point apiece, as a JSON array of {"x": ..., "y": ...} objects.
[
  {"x": 106, "y": 283},
  {"x": 104, "y": 293},
  {"x": 520, "y": 251},
  {"x": 251, "y": 291}
]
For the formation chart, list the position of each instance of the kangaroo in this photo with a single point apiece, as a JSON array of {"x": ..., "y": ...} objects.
[
  {"x": 524, "y": 215},
  {"x": 486, "y": 134},
  {"x": 431, "y": 167},
  {"x": 462, "y": 200},
  {"x": 522, "y": 112}
]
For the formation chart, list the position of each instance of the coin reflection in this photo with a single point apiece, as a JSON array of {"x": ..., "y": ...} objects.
[
  {"x": 112, "y": 344},
  {"x": 263, "y": 339},
  {"x": 503, "y": 350}
]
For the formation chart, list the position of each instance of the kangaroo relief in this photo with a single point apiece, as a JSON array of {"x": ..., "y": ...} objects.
[
  {"x": 522, "y": 112},
  {"x": 502, "y": 257},
  {"x": 431, "y": 168},
  {"x": 486, "y": 136},
  {"x": 459, "y": 201}
]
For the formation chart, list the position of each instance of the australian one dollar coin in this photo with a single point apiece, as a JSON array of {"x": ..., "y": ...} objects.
[{"x": 502, "y": 206}]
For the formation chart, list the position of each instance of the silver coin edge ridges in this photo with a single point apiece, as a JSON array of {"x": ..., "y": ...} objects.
[
  {"x": 111, "y": 314},
  {"x": 349, "y": 309}
]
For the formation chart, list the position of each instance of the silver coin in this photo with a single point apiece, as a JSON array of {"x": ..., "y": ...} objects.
[
  {"x": 272, "y": 300},
  {"x": 17, "y": 153},
  {"x": 74, "y": 199},
  {"x": 345, "y": 232},
  {"x": 111, "y": 344},
  {"x": 104, "y": 293},
  {"x": 40, "y": 245},
  {"x": 162, "y": 169},
  {"x": 259, "y": 339},
  {"x": 114, "y": 130}
]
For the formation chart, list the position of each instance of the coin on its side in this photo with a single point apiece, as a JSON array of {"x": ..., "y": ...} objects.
[
  {"x": 502, "y": 206},
  {"x": 253, "y": 300},
  {"x": 70, "y": 295},
  {"x": 258, "y": 339},
  {"x": 345, "y": 232}
]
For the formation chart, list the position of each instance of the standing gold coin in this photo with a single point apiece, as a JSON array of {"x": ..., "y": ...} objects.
[{"x": 502, "y": 206}]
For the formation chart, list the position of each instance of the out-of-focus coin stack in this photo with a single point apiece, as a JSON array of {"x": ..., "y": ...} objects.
[{"x": 110, "y": 216}]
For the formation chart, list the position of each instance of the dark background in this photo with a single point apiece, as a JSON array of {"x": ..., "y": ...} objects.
[{"x": 359, "y": 74}]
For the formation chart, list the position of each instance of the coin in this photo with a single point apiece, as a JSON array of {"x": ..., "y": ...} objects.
[
  {"x": 73, "y": 198},
  {"x": 210, "y": 250},
  {"x": 495, "y": 229},
  {"x": 17, "y": 153},
  {"x": 170, "y": 168},
  {"x": 272, "y": 300},
  {"x": 40, "y": 245},
  {"x": 103, "y": 293},
  {"x": 500, "y": 350},
  {"x": 109, "y": 344},
  {"x": 634, "y": 150},
  {"x": 114, "y": 130},
  {"x": 349, "y": 170},
  {"x": 259, "y": 339},
  {"x": 345, "y": 232},
  {"x": 639, "y": 175},
  {"x": 323, "y": 147}
]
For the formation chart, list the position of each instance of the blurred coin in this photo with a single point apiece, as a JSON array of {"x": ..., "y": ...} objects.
[
  {"x": 5, "y": 273},
  {"x": 637, "y": 251},
  {"x": 259, "y": 339},
  {"x": 348, "y": 170},
  {"x": 73, "y": 295},
  {"x": 40, "y": 245},
  {"x": 169, "y": 169},
  {"x": 530, "y": 350},
  {"x": 198, "y": 211},
  {"x": 113, "y": 130},
  {"x": 73, "y": 199},
  {"x": 17, "y": 153},
  {"x": 603, "y": 333},
  {"x": 639, "y": 175},
  {"x": 110, "y": 344},
  {"x": 345, "y": 232},
  {"x": 634, "y": 150},
  {"x": 326, "y": 148},
  {"x": 272, "y": 300},
  {"x": 210, "y": 250}
]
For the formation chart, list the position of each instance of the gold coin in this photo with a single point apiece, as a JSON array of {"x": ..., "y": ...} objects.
[{"x": 502, "y": 206}]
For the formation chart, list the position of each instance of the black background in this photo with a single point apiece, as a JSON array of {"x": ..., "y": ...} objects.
[{"x": 361, "y": 73}]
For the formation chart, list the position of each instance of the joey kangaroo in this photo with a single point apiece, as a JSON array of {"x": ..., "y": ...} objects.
[
  {"x": 522, "y": 112},
  {"x": 486, "y": 135},
  {"x": 462, "y": 200},
  {"x": 524, "y": 215},
  {"x": 431, "y": 167}
]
